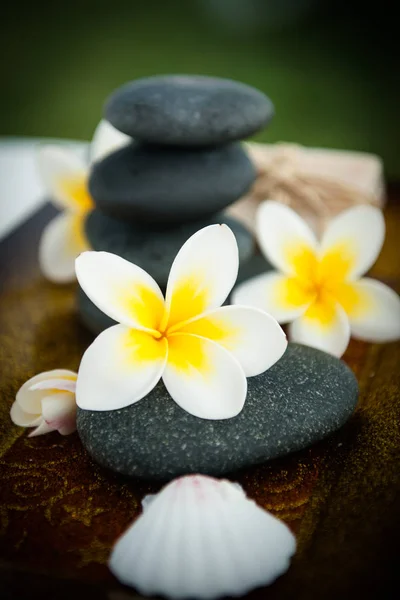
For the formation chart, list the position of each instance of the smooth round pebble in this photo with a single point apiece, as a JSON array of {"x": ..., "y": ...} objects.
[
  {"x": 151, "y": 184},
  {"x": 304, "y": 397},
  {"x": 188, "y": 110}
]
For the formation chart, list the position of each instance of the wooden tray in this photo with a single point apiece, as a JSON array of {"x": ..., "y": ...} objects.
[{"x": 60, "y": 513}]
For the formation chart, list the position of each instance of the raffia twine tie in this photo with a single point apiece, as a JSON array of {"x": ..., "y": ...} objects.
[{"x": 282, "y": 177}]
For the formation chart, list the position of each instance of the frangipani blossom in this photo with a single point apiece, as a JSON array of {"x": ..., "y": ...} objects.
[
  {"x": 65, "y": 177},
  {"x": 202, "y": 352},
  {"x": 47, "y": 402},
  {"x": 317, "y": 286}
]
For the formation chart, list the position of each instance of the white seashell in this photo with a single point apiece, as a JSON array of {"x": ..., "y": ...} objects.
[{"x": 201, "y": 537}]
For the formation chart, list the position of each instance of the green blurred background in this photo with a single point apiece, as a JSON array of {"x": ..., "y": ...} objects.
[{"x": 330, "y": 67}]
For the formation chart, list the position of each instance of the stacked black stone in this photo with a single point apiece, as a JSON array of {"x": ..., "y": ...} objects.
[{"x": 184, "y": 166}]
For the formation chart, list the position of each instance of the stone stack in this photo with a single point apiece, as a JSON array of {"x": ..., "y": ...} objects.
[{"x": 184, "y": 166}]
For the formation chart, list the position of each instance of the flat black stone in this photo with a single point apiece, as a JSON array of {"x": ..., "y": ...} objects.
[
  {"x": 154, "y": 250},
  {"x": 152, "y": 184},
  {"x": 303, "y": 398},
  {"x": 188, "y": 110}
]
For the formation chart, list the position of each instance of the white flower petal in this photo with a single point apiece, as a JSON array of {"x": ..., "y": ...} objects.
[
  {"x": 119, "y": 368},
  {"x": 202, "y": 274},
  {"x": 356, "y": 235},
  {"x": 41, "y": 429},
  {"x": 285, "y": 239},
  {"x": 120, "y": 289},
  {"x": 66, "y": 385},
  {"x": 59, "y": 412},
  {"x": 62, "y": 241},
  {"x": 106, "y": 139},
  {"x": 64, "y": 176},
  {"x": 375, "y": 314},
  {"x": 22, "y": 418},
  {"x": 325, "y": 328},
  {"x": 30, "y": 400},
  {"x": 204, "y": 378},
  {"x": 252, "y": 336},
  {"x": 283, "y": 297}
]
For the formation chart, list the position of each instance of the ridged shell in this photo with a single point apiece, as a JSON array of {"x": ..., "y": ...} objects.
[{"x": 201, "y": 537}]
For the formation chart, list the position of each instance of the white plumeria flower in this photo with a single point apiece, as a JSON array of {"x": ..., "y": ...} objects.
[
  {"x": 47, "y": 402},
  {"x": 318, "y": 287},
  {"x": 202, "y": 352},
  {"x": 65, "y": 178}
]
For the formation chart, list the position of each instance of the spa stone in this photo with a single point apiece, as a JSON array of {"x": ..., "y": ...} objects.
[
  {"x": 304, "y": 397},
  {"x": 188, "y": 110},
  {"x": 155, "y": 185}
]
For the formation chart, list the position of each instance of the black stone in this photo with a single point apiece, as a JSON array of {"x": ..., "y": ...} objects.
[
  {"x": 188, "y": 110},
  {"x": 170, "y": 185},
  {"x": 155, "y": 250},
  {"x": 304, "y": 397}
]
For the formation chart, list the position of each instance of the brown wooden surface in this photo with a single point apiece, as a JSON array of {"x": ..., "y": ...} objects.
[{"x": 60, "y": 513}]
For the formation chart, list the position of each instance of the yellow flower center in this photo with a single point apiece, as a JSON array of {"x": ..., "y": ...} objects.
[
  {"x": 181, "y": 329},
  {"x": 184, "y": 352},
  {"x": 319, "y": 282}
]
